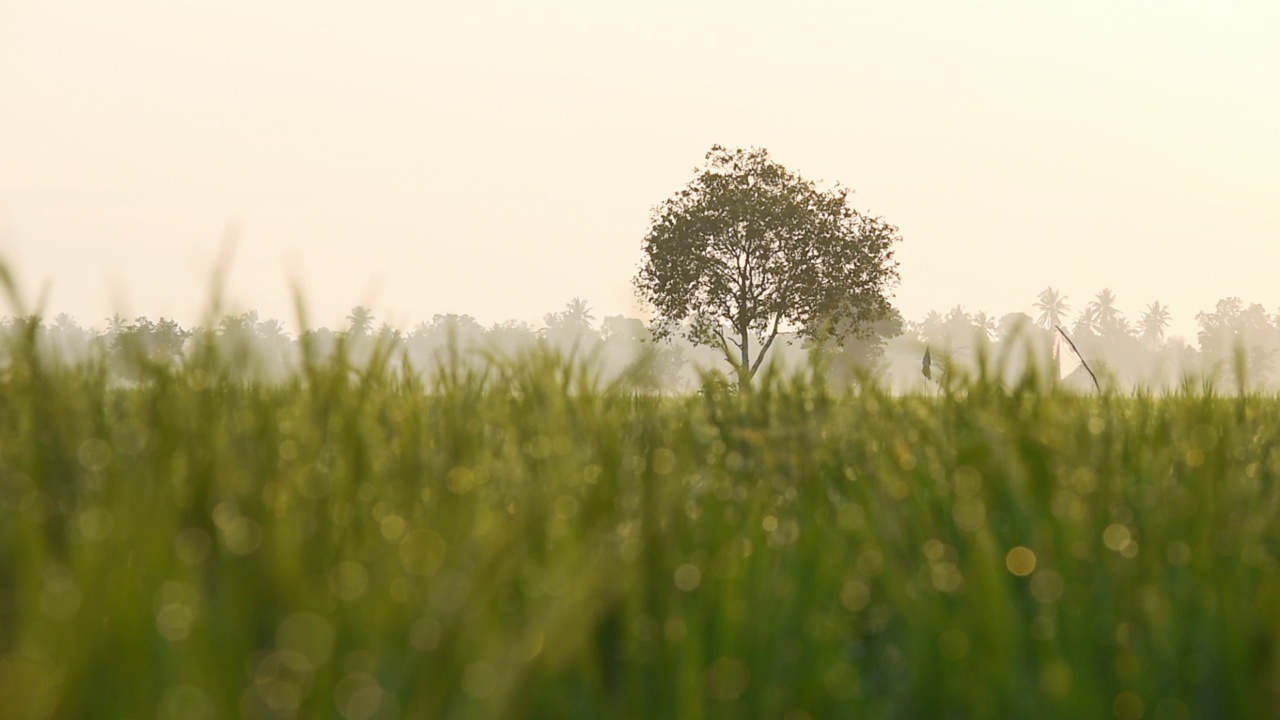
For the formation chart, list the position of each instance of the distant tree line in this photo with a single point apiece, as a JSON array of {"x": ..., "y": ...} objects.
[{"x": 1129, "y": 352}]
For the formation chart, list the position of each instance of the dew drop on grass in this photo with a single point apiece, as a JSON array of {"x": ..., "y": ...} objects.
[
  {"x": 176, "y": 605},
  {"x": 969, "y": 514},
  {"x": 186, "y": 702},
  {"x": 129, "y": 437},
  {"x": 688, "y": 577},
  {"x": 308, "y": 635},
  {"x": 358, "y": 696},
  {"x": 1055, "y": 678},
  {"x": 60, "y": 595},
  {"x": 399, "y": 590},
  {"x": 392, "y": 527},
  {"x": 348, "y": 580},
  {"x": 95, "y": 524},
  {"x": 967, "y": 481},
  {"x": 1084, "y": 480},
  {"x": 1116, "y": 537},
  {"x": 173, "y": 621},
  {"x": 854, "y": 595},
  {"x": 664, "y": 461},
  {"x": 566, "y": 507},
  {"x": 422, "y": 552},
  {"x": 946, "y": 577},
  {"x": 841, "y": 680},
  {"x": 1046, "y": 586},
  {"x": 459, "y": 480},
  {"x": 242, "y": 536},
  {"x": 1178, "y": 553},
  {"x": 94, "y": 454},
  {"x": 934, "y": 549},
  {"x": 31, "y": 685},
  {"x": 870, "y": 562},
  {"x": 425, "y": 634},
  {"x": 727, "y": 678},
  {"x": 1020, "y": 561}
]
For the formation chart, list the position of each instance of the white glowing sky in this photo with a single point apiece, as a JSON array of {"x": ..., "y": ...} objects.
[{"x": 499, "y": 158}]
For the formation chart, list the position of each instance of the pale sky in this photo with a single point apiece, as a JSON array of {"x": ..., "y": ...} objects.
[{"x": 499, "y": 158}]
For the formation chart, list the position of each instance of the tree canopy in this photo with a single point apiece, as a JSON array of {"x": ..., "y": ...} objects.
[{"x": 749, "y": 248}]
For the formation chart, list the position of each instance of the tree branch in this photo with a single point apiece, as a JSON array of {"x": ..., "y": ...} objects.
[
  {"x": 723, "y": 346},
  {"x": 760, "y": 358}
]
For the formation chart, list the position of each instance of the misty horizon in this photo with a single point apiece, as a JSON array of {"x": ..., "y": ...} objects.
[
  {"x": 1127, "y": 352},
  {"x": 482, "y": 159}
]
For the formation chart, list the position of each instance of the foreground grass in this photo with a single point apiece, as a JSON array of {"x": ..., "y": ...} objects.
[{"x": 515, "y": 542}]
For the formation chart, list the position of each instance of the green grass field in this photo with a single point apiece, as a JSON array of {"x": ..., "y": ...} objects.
[{"x": 519, "y": 542}]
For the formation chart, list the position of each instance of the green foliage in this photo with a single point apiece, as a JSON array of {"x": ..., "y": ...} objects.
[
  {"x": 514, "y": 540},
  {"x": 749, "y": 248}
]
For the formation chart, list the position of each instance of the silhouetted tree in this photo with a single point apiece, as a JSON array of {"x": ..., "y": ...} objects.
[
  {"x": 986, "y": 324},
  {"x": 361, "y": 319},
  {"x": 1010, "y": 324},
  {"x": 864, "y": 353},
  {"x": 1152, "y": 324},
  {"x": 510, "y": 337},
  {"x": 748, "y": 248},
  {"x": 1086, "y": 322},
  {"x": 1053, "y": 308},
  {"x": 1232, "y": 327},
  {"x": 456, "y": 334},
  {"x": 1107, "y": 318},
  {"x": 272, "y": 330},
  {"x": 69, "y": 341},
  {"x": 275, "y": 347},
  {"x": 116, "y": 324},
  {"x": 577, "y": 314},
  {"x": 144, "y": 342},
  {"x": 957, "y": 330},
  {"x": 571, "y": 329}
]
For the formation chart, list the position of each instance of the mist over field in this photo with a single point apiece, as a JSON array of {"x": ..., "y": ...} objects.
[{"x": 1232, "y": 338}]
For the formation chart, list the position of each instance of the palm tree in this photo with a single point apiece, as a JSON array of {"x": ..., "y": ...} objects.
[
  {"x": 272, "y": 330},
  {"x": 240, "y": 326},
  {"x": 1053, "y": 308},
  {"x": 986, "y": 324},
  {"x": 576, "y": 317},
  {"x": 1106, "y": 315},
  {"x": 65, "y": 323},
  {"x": 929, "y": 325},
  {"x": 1086, "y": 321},
  {"x": 116, "y": 325},
  {"x": 361, "y": 319},
  {"x": 1153, "y": 323}
]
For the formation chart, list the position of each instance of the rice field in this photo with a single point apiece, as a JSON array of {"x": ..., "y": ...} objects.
[{"x": 518, "y": 540}]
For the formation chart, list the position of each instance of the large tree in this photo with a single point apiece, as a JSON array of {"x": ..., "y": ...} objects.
[{"x": 748, "y": 249}]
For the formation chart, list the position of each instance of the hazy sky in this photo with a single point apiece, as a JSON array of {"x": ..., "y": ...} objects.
[{"x": 500, "y": 158}]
